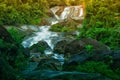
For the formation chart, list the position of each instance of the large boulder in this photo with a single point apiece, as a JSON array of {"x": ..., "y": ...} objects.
[
  {"x": 81, "y": 44},
  {"x": 75, "y": 46},
  {"x": 96, "y": 44}
]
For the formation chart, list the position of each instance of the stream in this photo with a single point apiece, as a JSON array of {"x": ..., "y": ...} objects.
[{"x": 42, "y": 33}]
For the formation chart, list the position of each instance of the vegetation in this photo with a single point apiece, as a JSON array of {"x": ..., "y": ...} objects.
[
  {"x": 102, "y": 22},
  {"x": 61, "y": 28}
]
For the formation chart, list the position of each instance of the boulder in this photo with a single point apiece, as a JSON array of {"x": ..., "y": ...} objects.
[
  {"x": 103, "y": 55},
  {"x": 49, "y": 64},
  {"x": 96, "y": 44},
  {"x": 41, "y": 46},
  {"x": 60, "y": 47},
  {"x": 75, "y": 46},
  {"x": 80, "y": 44}
]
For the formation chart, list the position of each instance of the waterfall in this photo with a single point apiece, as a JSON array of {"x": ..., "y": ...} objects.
[
  {"x": 42, "y": 33},
  {"x": 73, "y": 12}
]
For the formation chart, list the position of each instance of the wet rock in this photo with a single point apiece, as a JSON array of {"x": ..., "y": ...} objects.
[
  {"x": 75, "y": 46},
  {"x": 62, "y": 75},
  {"x": 49, "y": 64},
  {"x": 60, "y": 46},
  {"x": 41, "y": 46},
  {"x": 103, "y": 55},
  {"x": 44, "y": 21}
]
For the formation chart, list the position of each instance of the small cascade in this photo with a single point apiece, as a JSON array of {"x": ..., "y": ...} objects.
[
  {"x": 73, "y": 12},
  {"x": 44, "y": 35}
]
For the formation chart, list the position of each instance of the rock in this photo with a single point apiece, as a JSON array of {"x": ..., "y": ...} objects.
[
  {"x": 103, "y": 55},
  {"x": 96, "y": 44},
  {"x": 60, "y": 46},
  {"x": 77, "y": 58},
  {"x": 41, "y": 46},
  {"x": 49, "y": 64},
  {"x": 62, "y": 75},
  {"x": 75, "y": 46},
  {"x": 44, "y": 21},
  {"x": 80, "y": 44}
]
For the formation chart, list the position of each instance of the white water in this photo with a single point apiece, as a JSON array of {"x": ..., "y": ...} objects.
[
  {"x": 65, "y": 13},
  {"x": 43, "y": 35}
]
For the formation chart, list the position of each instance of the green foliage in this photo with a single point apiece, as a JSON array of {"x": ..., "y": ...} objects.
[
  {"x": 97, "y": 67},
  {"x": 61, "y": 28},
  {"x": 17, "y": 35},
  {"x": 14, "y": 12},
  {"x": 101, "y": 23},
  {"x": 108, "y": 36}
]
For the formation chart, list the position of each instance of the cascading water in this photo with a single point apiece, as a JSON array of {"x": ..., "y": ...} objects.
[
  {"x": 43, "y": 35},
  {"x": 73, "y": 12}
]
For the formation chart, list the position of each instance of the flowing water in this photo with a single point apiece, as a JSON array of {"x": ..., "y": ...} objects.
[{"x": 42, "y": 33}]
